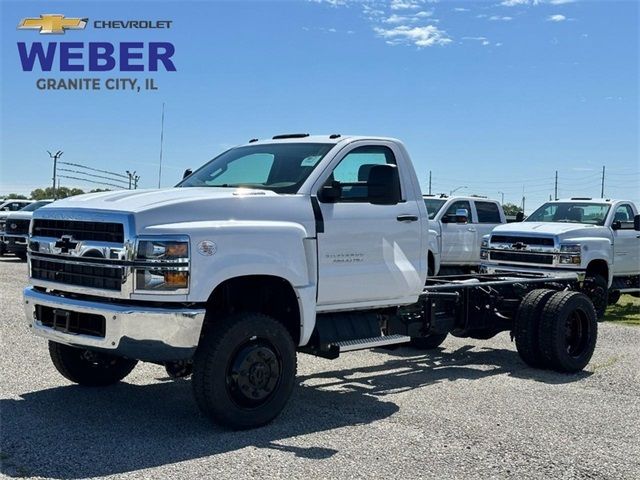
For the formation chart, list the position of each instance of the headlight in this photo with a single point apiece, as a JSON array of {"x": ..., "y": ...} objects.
[
  {"x": 169, "y": 269},
  {"x": 163, "y": 250},
  {"x": 570, "y": 254},
  {"x": 485, "y": 243},
  {"x": 570, "y": 248}
]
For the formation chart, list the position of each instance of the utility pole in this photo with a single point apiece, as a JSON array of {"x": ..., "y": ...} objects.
[
  {"x": 429, "y": 182},
  {"x": 502, "y": 193},
  {"x": 161, "y": 140},
  {"x": 135, "y": 182},
  {"x": 602, "y": 187},
  {"x": 556, "y": 189},
  {"x": 55, "y": 157},
  {"x": 132, "y": 176},
  {"x": 523, "y": 199}
]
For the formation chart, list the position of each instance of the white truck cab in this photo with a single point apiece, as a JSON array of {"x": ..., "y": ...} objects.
[
  {"x": 459, "y": 224},
  {"x": 599, "y": 237}
]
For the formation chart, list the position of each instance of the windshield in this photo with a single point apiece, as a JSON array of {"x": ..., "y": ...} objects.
[
  {"x": 590, "y": 213},
  {"x": 280, "y": 167},
  {"x": 35, "y": 205},
  {"x": 433, "y": 206}
]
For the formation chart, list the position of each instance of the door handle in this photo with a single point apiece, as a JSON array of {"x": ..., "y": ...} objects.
[
  {"x": 407, "y": 218},
  {"x": 471, "y": 229}
]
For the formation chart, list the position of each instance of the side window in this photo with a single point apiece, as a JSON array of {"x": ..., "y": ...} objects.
[
  {"x": 455, "y": 206},
  {"x": 488, "y": 212},
  {"x": 353, "y": 171},
  {"x": 624, "y": 215}
]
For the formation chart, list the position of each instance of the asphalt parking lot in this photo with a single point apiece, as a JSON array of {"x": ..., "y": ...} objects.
[{"x": 469, "y": 410}]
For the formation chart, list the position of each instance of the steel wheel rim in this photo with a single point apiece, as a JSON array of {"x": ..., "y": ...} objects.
[
  {"x": 253, "y": 373},
  {"x": 577, "y": 333}
]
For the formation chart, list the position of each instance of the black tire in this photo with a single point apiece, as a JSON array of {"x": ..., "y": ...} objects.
[
  {"x": 526, "y": 326},
  {"x": 244, "y": 370},
  {"x": 614, "y": 297},
  {"x": 597, "y": 289},
  {"x": 429, "y": 342},
  {"x": 89, "y": 368},
  {"x": 568, "y": 331}
]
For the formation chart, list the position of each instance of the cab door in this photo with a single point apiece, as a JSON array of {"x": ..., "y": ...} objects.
[
  {"x": 458, "y": 237},
  {"x": 626, "y": 242},
  {"x": 367, "y": 252}
]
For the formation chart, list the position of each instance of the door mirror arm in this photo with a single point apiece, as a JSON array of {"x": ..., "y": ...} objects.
[{"x": 330, "y": 192}]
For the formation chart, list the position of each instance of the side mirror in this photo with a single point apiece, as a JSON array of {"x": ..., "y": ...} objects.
[
  {"x": 636, "y": 223},
  {"x": 462, "y": 215},
  {"x": 186, "y": 173},
  {"x": 330, "y": 192},
  {"x": 519, "y": 216},
  {"x": 384, "y": 185},
  {"x": 617, "y": 225}
]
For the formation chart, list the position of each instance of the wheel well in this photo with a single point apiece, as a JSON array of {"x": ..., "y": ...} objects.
[
  {"x": 273, "y": 296},
  {"x": 598, "y": 267}
]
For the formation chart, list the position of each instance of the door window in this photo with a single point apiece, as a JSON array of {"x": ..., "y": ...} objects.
[
  {"x": 352, "y": 173},
  {"x": 454, "y": 207},
  {"x": 624, "y": 215},
  {"x": 488, "y": 212}
]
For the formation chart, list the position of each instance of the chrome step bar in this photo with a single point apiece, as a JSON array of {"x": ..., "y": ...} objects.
[{"x": 372, "y": 342}]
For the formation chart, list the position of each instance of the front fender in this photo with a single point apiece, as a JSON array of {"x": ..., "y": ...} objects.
[{"x": 281, "y": 249}]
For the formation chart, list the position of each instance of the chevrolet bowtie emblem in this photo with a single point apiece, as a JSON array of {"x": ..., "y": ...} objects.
[{"x": 53, "y": 23}]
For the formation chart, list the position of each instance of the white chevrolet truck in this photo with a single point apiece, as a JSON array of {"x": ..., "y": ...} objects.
[
  {"x": 458, "y": 225},
  {"x": 598, "y": 237},
  {"x": 299, "y": 243}
]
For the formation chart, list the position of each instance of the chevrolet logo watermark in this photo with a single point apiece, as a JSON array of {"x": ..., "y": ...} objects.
[{"x": 53, "y": 23}]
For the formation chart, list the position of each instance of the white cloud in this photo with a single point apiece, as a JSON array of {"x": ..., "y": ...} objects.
[
  {"x": 395, "y": 19},
  {"x": 514, "y": 3},
  {"x": 556, "y": 18},
  {"x": 404, "y": 5},
  {"x": 560, "y": 2},
  {"x": 421, "y": 37},
  {"x": 424, "y": 14},
  {"x": 497, "y": 18},
  {"x": 460, "y": 9},
  {"x": 483, "y": 40}
]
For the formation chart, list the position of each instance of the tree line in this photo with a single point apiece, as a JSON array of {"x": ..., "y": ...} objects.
[{"x": 47, "y": 193}]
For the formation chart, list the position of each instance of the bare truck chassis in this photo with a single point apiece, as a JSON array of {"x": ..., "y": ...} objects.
[{"x": 553, "y": 324}]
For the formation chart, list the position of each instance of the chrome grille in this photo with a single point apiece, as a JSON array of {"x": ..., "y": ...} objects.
[
  {"x": 79, "y": 230},
  {"x": 531, "y": 241},
  {"x": 521, "y": 257},
  {"x": 90, "y": 276},
  {"x": 17, "y": 226}
]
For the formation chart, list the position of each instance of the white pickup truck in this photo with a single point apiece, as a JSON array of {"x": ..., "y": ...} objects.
[
  {"x": 596, "y": 236},
  {"x": 458, "y": 225},
  {"x": 298, "y": 243}
]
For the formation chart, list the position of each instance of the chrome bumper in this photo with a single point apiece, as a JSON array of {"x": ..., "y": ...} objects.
[
  {"x": 134, "y": 331},
  {"x": 493, "y": 268}
]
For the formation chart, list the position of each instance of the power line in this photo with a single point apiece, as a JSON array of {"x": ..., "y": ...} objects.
[
  {"x": 94, "y": 175},
  {"x": 95, "y": 169},
  {"x": 91, "y": 181}
]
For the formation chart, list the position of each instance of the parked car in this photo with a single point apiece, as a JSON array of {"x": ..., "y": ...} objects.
[
  {"x": 17, "y": 228},
  {"x": 6, "y": 207},
  {"x": 459, "y": 223},
  {"x": 596, "y": 236}
]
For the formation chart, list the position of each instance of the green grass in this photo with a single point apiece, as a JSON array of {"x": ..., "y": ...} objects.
[{"x": 626, "y": 311}]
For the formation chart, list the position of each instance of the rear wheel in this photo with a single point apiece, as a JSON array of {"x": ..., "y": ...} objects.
[
  {"x": 527, "y": 325},
  {"x": 429, "y": 342},
  {"x": 568, "y": 331},
  {"x": 87, "y": 367},
  {"x": 244, "y": 370}
]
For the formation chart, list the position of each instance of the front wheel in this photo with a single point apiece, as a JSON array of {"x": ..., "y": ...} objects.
[
  {"x": 87, "y": 367},
  {"x": 244, "y": 370},
  {"x": 596, "y": 288}
]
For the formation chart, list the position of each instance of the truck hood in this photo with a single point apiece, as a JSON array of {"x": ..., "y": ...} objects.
[
  {"x": 135, "y": 201},
  {"x": 541, "y": 228},
  {"x": 19, "y": 216},
  {"x": 155, "y": 211}
]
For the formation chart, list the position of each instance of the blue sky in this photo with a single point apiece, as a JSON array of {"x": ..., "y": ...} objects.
[{"x": 490, "y": 95}]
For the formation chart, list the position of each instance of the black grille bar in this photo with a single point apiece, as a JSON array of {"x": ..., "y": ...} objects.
[
  {"x": 547, "y": 242},
  {"x": 522, "y": 257},
  {"x": 79, "y": 230},
  {"x": 108, "y": 278},
  {"x": 21, "y": 226}
]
